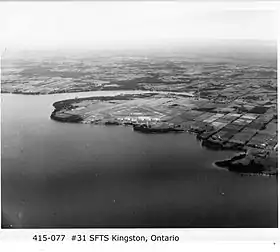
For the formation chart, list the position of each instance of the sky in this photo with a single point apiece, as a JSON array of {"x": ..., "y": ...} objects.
[{"x": 113, "y": 24}]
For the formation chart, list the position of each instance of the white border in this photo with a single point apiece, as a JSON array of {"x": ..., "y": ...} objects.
[{"x": 189, "y": 238}]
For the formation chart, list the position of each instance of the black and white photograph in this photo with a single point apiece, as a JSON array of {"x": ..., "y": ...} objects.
[{"x": 138, "y": 115}]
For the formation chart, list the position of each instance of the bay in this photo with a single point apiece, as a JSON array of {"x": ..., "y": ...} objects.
[{"x": 57, "y": 175}]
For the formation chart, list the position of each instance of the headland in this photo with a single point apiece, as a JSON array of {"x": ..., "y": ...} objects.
[{"x": 221, "y": 126}]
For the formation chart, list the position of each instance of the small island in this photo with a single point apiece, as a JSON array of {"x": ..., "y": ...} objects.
[{"x": 254, "y": 161}]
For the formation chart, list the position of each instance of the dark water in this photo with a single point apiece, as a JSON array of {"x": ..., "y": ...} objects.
[{"x": 72, "y": 175}]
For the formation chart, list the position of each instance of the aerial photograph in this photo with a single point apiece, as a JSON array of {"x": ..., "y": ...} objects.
[{"x": 138, "y": 115}]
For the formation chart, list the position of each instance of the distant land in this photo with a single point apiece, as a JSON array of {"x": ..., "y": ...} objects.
[{"x": 179, "y": 68}]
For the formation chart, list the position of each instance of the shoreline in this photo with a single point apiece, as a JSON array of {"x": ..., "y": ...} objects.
[{"x": 90, "y": 92}]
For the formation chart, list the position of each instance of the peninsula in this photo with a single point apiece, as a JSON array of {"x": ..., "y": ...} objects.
[{"x": 219, "y": 125}]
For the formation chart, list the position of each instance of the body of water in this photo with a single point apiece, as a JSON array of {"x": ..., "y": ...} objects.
[{"x": 57, "y": 175}]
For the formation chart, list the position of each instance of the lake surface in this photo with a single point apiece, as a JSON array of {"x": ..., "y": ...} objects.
[{"x": 57, "y": 175}]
